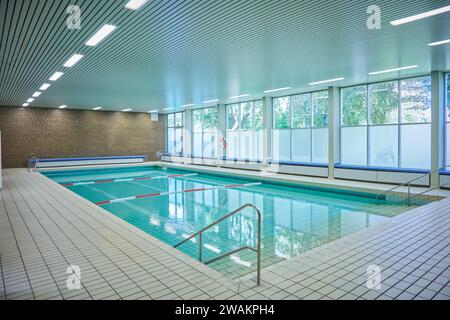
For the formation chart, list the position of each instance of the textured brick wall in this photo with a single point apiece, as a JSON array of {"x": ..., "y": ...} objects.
[{"x": 49, "y": 133}]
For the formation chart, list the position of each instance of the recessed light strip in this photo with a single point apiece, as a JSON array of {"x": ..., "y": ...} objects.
[
  {"x": 421, "y": 16},
  {"x": 100, "y": 35},
  {"x": 73, "y": 60},
  {"x": 241, "y": 96},
  {"x": 393, "y": 70},
  {"x": 135, "y": 4},
  {"x": 211, "y": 101},
  {"x": 187, "y": 105},
  {"x": 56, "y": 76},
  {"x": 36, "y": 94},
  {"x": 30, "y": 100},
  {"x": 98, "y": 108},
  {"x": 45, "y": 86},
  {"x": 62, "y": 107},
  {"x": 25, "y": 105},
  {"x": 276, "y": 90},
  {"x": 438, "y": 43},
  {"x": 154, "y": 111},
  {"x": 325, "y": 81},
  {"x": 126, "y": 110}
]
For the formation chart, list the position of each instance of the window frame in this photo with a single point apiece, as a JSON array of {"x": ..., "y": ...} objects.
[
  {"x": 203, "y": 131},
  {"x": 399, "y": 122},
  {"x": 175, "y": 127},
  {"x": 291, "y": 125},
  {"x": 239, "y": 128}
]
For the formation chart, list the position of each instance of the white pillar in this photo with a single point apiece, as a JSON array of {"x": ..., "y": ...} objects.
[
  {"x": 333, "y": 129},
  {"x": 221, "y": 131},
  {"x": 268, "y": 124},
  {"x": 437, "y": 124},
  {"x": 187, "y": 136}
]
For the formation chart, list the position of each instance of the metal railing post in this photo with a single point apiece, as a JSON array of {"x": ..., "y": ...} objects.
[
  {"x": 257, "y": 250},
  {"x": 200, "y": 247}
]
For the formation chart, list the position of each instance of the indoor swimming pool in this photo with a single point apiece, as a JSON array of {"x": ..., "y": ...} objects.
[{"x": 171, "y": 205}]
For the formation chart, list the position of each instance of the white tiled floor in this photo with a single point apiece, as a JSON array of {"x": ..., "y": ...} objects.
[{"x": 44, "y": 228}]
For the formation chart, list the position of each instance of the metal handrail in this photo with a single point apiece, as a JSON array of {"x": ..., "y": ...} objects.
[
  {"x": 35, "y": 161},
  {"x": 424, "y": 192},
  {"x": 257, "y": 250},
  {"x": 408, "y": 183}
]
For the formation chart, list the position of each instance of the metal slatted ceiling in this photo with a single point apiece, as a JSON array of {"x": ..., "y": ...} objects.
[{"x": 171, "y": 53}]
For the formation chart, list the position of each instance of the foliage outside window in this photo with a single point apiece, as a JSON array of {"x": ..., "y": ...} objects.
[
  {"x": 244, "y": 130},
  {"x": 175, "y": 128},
  {"x": 205, "y": 132},
  {"x": 300, "y": 128},
  {"x": 387, "y": 124}
]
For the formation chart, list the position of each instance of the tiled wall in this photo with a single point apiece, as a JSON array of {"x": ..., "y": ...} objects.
[{"x": 50, "y": 133}]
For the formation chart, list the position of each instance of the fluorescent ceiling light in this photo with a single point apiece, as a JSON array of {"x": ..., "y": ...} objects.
[
  {"x": 100, "y": 35},
  {"x": 45, "y": 86},
  {"x": 98, "y": 108},
  {"x": 126, "y": 110},
  {"x": 241, "y": 96},
  {"x": 56, "y": 76},
  {"x": 25, "y": 105},
  {"x": 276, "y": 90},
  {"x": 394, "y": 69},
  {"x": 62, "y": 107},
  {"x": 211, "y": 101},
  {"x": 135, "y": 4},
  {"x": 420, "y": 16},
  {"x": 73, "y": 60},
  {"x": 187, "y": 105},
  {"x": 30, "y": 100},
  {"x": 325, "y": 81},
  {"x": 36, "y": 94},
  {"x": 439, "y": 43},
  {"x": 154, "y": 111},
  {"x": 166, "y": 109}
]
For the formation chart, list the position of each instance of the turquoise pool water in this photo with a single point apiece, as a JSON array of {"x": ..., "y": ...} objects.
[{"x": 295, "y": 219}]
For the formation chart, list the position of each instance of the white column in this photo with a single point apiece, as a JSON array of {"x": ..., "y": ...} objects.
[
  {"x": 333, "y": 129},
  {"x": 268, "y": 123},
  {"x": 437, "y": 124},
  {"x": 221, "y": 131},
  {"x": 187, "y": 136}
]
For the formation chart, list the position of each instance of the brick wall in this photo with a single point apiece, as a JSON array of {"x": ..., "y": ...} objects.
[{"x": 55, "y": 133}]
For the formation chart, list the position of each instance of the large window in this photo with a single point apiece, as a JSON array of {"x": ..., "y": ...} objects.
[
  {"x": 204, "y": 138},
  {"x": 175, "y": 128},
  {"x": 387, "y": 124},
  {"x": 300, "y": 128},
  {"x": 447, "y": 123},
  {"x": 244, "y": 131}
]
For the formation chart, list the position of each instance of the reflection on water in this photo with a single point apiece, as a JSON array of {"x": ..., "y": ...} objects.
[{"x": 293, "y": 221}]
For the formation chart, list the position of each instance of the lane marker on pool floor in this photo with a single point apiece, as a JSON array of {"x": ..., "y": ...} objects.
[
  {"x": 142, "y": 196},
  {"x": 72, "y": 184}
]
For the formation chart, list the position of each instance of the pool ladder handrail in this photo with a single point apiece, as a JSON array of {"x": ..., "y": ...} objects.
[
  {"x": 257, "y": 250},
  {"x": 30, "y": 162},
  {"x": 408, "y": 183}
]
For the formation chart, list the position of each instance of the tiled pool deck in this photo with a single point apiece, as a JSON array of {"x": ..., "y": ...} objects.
[{"x": 44, "y": 228}]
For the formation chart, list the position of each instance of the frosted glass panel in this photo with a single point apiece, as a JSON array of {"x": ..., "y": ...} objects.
[
  {"x": 301, "y": 145},
  {"x": 416, "y": 146},
  {"x": 320, "y": 145},
  {"x": 178, "y": 141},
  {"x": 384, "y": 146},
  {"x": 259, "y": 144},
  {"x": 248, "y": 145},
  {"x": 209, "y": 145},
  {"x": 232, "y": 150},
  {"x": 447, "y": 139},
  {"x": 354, "y": 146},
  {"x": 170, "y": 140},
  {"x": 197, "y": 145},
  {"x": 281, "y": 150}
]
